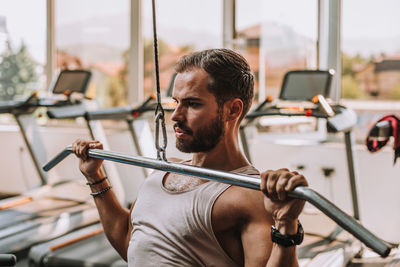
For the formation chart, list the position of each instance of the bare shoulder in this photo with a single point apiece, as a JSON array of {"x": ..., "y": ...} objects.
[{"x": 240, "y": 206}]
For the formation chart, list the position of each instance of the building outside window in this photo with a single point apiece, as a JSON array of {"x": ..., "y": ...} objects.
[
  {"x": 248, "y": 35},
  {"x": 94, "y": 35},
  {"x": 286, "y": 37},
  {"x": 276, "y": 39},
  {"x": 370, "y": 60}
]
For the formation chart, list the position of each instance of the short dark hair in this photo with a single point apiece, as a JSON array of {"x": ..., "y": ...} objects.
[{"x": 229, "y": 71}]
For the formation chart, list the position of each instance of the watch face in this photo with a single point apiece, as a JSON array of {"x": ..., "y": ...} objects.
[{"x": 287, "y": 240}]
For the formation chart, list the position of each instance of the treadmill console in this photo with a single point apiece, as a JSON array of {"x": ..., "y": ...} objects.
[{"x": 72, "y": 81}]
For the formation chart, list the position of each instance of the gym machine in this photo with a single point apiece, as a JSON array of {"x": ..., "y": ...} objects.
[
  {"x": 304, "y": 91},
  {"x": 378, "y": 136},
  {"x": 89, "y": 246},
  {"x": 46, "y": 211}
]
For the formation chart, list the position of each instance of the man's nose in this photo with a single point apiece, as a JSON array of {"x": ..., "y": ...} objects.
[{"x": 178, "y": 114}]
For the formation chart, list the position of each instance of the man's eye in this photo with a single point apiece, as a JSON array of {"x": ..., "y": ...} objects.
[{"x": 193, "y": 104}]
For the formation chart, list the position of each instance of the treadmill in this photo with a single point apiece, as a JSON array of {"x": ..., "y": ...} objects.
[
  {"x": 89, "y": 246},
  {"x": 303, "y": 93},
  {"x": 380, "y": 132},
  {"x": 46, "y": 211}
]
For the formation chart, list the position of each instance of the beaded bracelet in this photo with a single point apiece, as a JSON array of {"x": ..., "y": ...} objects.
[
  {"x": 97, "y": 182},
  {"x": 102, "y": 191}
]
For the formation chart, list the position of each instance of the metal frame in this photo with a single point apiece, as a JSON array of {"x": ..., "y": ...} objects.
[
  {"x": 353, "y": 176},
  {"x": 329, "y": 48},
  {"x": 228, "y": 22},
  {"x": 345, "y": 221},
  {"x": 30, "y": 133},
  {"x": 50, "y": 43},
  {"x": 135, "y": 89}
]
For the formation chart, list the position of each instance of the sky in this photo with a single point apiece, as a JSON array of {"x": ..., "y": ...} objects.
[{"x": 26, "y": 19}]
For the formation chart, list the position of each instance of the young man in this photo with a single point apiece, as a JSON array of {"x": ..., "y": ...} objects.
[{"x": 180, "y": 220}]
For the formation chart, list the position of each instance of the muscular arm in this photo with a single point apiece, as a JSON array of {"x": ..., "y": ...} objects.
[
  {"x": 284, "y": 211},
  {"x": 251, "y": 213},
  {"x": 239, "y": 218},
  {"x": 113, "y": 216},
  {"x": 258, "y": 248}
]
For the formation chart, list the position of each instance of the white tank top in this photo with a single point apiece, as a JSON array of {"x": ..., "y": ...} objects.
[{"x": 174, "y": 228}]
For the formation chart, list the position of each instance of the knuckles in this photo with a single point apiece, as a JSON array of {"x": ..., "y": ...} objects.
[
  {"x": 275, "y": 180},
  {"x": 80, "y": 146}
]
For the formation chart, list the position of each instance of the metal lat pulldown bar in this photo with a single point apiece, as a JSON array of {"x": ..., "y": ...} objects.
[{"x": 301, "y": 192}]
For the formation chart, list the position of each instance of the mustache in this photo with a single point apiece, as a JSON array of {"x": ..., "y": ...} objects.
[{"x": 183, "y": 127}]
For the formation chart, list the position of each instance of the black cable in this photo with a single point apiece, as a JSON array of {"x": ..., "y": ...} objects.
[
  {"x": 159, "y": 111},
  {"x": 155, "y": 46}
]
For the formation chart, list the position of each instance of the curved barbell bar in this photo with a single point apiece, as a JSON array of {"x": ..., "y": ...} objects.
[{"x": 341, "y": 218}]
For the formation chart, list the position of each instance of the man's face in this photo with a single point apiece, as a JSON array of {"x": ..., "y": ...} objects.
[{"x": 198, "y": 119}]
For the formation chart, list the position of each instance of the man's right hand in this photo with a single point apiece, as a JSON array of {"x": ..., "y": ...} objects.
[{"x": 89, "y": 167}]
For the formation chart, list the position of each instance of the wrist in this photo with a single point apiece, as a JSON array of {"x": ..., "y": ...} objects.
[
  {"x": 285, "y": 239},
  {"x": 286, "y": 227},
  {"x": 97, "y": 182},
  {"x": 99, "y": 185},
  {"x": 94, "y": 177}
]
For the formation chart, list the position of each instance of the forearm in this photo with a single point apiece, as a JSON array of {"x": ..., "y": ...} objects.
[
  {"x": 113, "y": 216},
  {"x": 280, "y": 255}
]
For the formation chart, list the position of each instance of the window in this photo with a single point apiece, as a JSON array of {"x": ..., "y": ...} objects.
[
  {"x": 289, "y": 39},
  {"x": 370, "y": 50},
  {"x": 248, "y": 33},
  {"x": 276, "y": 39},
  {"x": 22, "y": 47},
  {"x": 285, "y": 37},
  {"x": 94, "y": 35},
  {"x": 183, "y": 26},
  {"x": 370, "y": 60}
]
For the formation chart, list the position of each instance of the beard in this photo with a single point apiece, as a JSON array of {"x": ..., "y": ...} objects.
[{"x": 204, "y": 139}]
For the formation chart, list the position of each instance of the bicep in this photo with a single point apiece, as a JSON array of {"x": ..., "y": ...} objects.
[
  {"x": 256, "y": 243},
  {"x": 255, "y": 234}
]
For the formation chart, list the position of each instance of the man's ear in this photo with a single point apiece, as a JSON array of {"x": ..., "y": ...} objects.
[{"x": 235, "y": 109}]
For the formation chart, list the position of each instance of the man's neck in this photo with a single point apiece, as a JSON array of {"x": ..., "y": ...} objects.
[{"x": 224, "y": 156}]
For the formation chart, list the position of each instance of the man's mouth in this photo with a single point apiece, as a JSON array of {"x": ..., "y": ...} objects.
[{"x": 182, "y": 130}]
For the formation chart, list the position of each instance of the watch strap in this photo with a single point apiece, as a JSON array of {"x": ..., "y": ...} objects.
[{"x": 288, "y": 240}]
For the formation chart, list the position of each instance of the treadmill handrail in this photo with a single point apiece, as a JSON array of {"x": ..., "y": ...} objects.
[
  {"x": 120, "y": 113},
  {"x": 341, "y": 218},
  {"x": 7, "y": 260},
  {"x": 117, "y": 113},
  {"x": 261, "y": 113},
  {"x": 67, "y": 112}
]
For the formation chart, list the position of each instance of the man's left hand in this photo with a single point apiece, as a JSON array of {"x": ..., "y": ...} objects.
[{"x": 284, "y": 210}]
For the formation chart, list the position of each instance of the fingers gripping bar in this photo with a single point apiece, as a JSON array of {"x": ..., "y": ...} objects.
[{"x": 342, "y": 219}]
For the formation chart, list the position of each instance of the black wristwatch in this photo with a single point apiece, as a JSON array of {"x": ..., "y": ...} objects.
[{"x": 287, "y": 240}]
